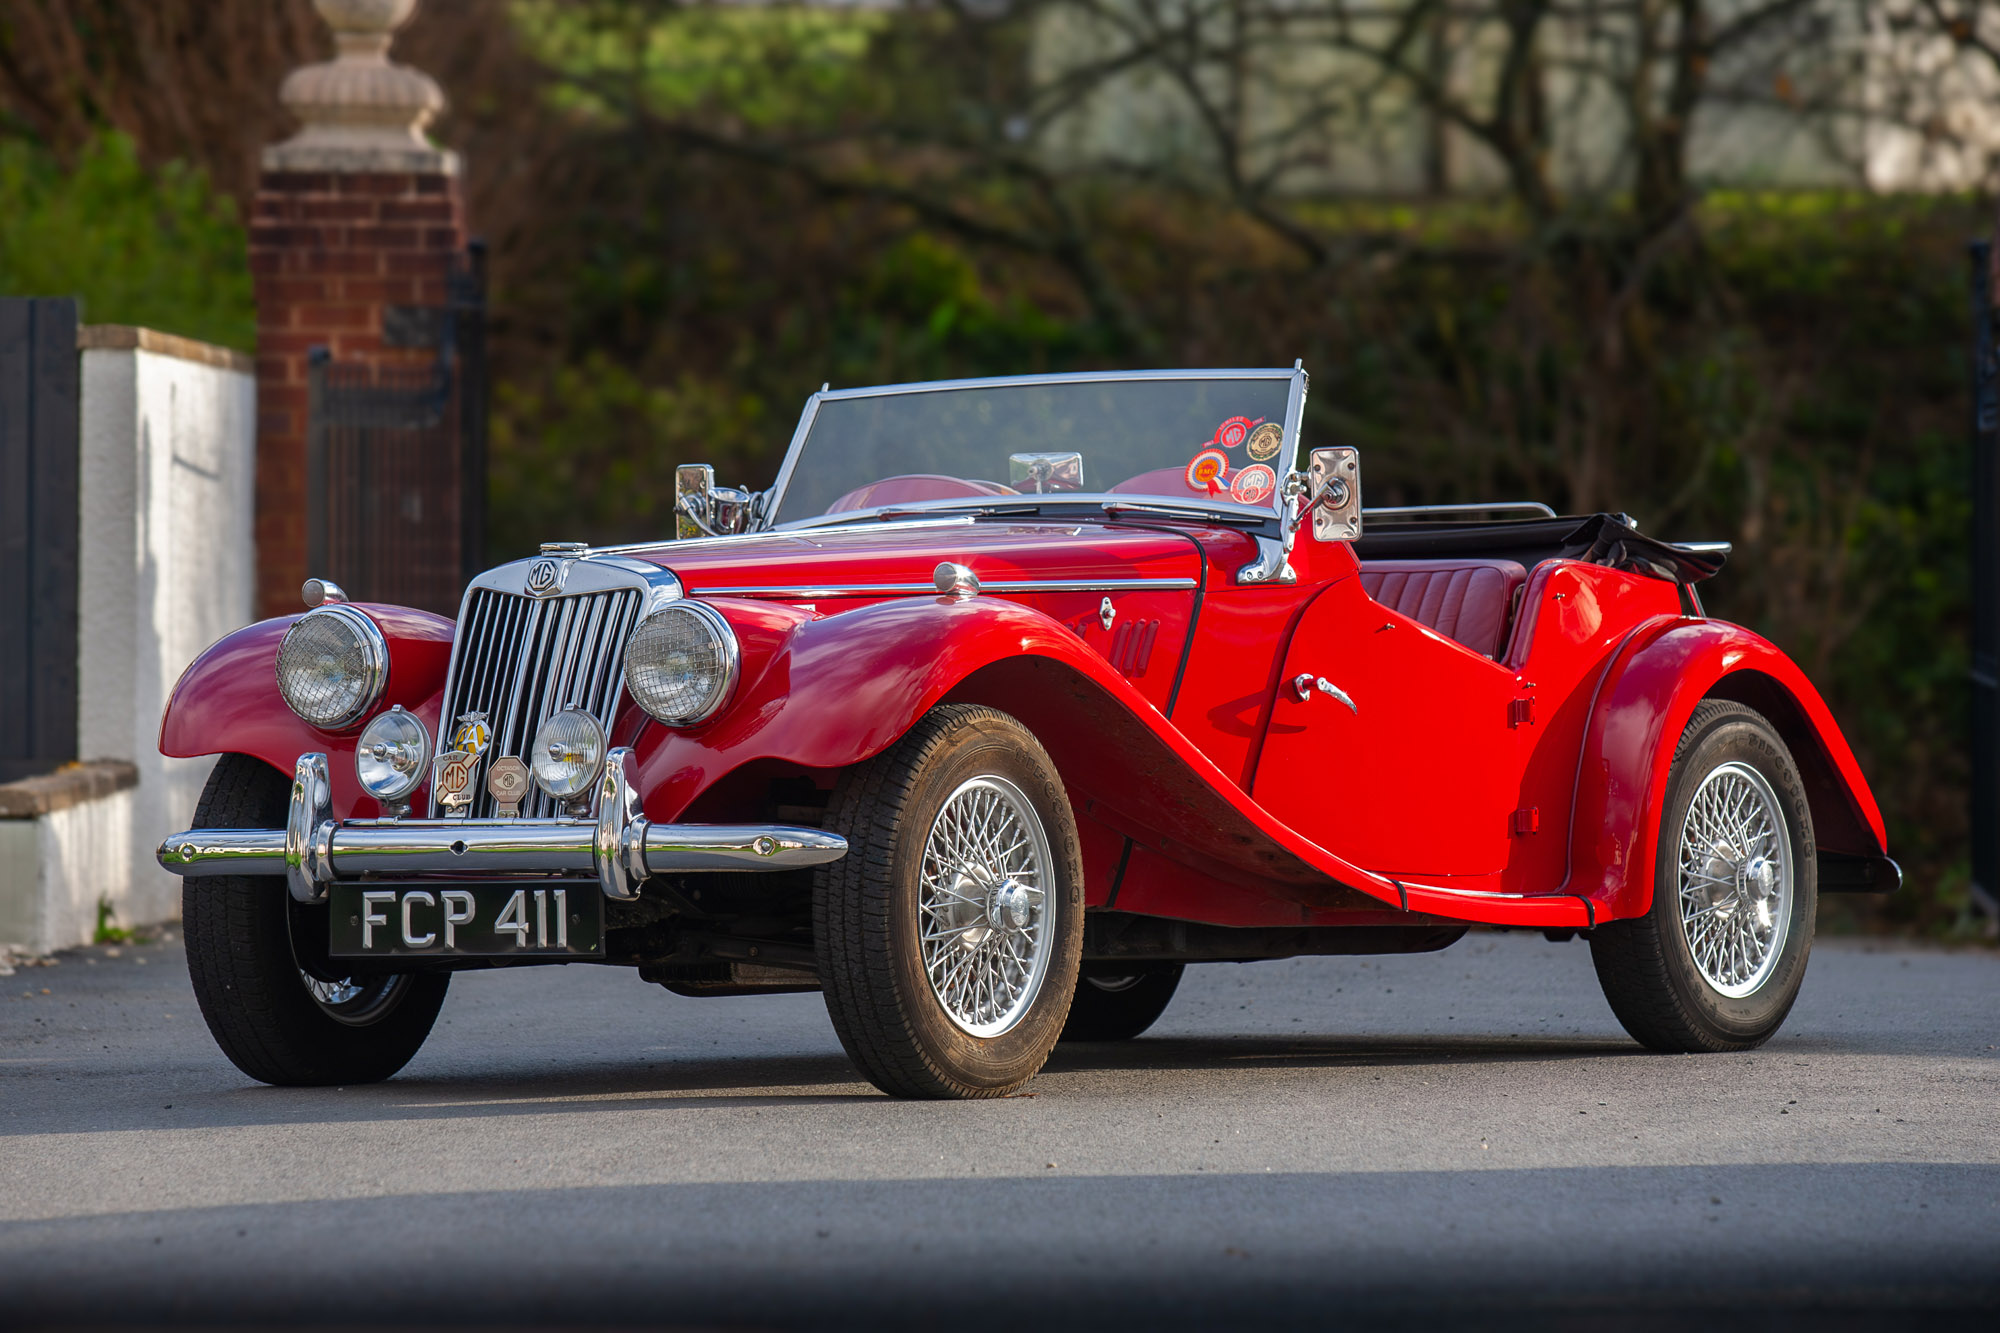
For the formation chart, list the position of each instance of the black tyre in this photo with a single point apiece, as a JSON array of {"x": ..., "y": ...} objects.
[
  {"x": 1117, "y": 1002},
  {"x": 1717, "y": 961},
  {"x": 279, "y": 1008},
  {"x": 949, "y": 935}
]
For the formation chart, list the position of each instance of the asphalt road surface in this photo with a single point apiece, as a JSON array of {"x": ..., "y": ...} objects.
[{"x": 1465, "y": 1137}]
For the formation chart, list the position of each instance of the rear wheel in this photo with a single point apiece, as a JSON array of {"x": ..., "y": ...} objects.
[
  {"x": 277, "y": 1005},
  {"x": 1117, "y": 1003},
  {"x": 948, "y": 936},
  {"x": 1716, "y": 962}
]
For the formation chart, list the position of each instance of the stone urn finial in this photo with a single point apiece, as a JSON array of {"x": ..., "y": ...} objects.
[{"x": 361, "y": 111}]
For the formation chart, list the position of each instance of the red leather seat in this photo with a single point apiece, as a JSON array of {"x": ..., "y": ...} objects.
[{"x": 1467, "y": 600}]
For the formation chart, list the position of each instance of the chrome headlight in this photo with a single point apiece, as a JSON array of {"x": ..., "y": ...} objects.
[
  {"x": 392, "y": 756},
  {"x": 568, "y": 754},
  {"x": 332, "y": 666},
  {"x": 681, "y": 663}
]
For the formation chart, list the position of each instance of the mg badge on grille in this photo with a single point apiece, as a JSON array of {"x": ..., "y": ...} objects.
[
  {"x": 545, "y": 576},
  {"x": 507, "y": 783}
]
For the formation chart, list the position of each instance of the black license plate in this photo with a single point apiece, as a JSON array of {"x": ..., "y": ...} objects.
[{"x": 466, "y": 920}]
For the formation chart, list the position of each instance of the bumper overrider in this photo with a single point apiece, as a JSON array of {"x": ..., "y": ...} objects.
[{"x": 620, "y": 849}]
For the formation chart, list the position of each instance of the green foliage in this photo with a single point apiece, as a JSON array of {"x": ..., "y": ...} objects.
[
  {"x": 106, "y": 932},
  {"x": 769, "y": 66},
  {"x": 157, "y": 249}
]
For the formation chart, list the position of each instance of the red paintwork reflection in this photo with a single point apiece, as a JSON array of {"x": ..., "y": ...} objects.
[{"x": 228, "y": 700}]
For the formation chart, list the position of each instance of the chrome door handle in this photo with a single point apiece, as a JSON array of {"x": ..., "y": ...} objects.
[{"x": 1306, "y": 682}]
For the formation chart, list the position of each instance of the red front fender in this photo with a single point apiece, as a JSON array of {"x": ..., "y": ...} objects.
[
  {"x": 841, "y": 689},
  {"x": 1663, "y": 671},
  {"x": 227, "y": 701}
]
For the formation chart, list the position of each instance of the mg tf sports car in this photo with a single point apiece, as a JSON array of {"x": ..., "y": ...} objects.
[{"x": 1008, "y": 700}]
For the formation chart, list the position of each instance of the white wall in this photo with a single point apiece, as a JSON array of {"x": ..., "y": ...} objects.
[
  {"x": 56, "y": 869},
  {"x": 167, "y": 565}
]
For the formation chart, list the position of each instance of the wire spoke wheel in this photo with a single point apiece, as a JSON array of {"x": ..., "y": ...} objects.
[
  {"x": 1736, "y": 879},
  {"x": 949, "y": 938},
  {"x": 356, "y": 1003},
  {"x": 984, "y": 909},
  {"x": 1715, "y": 961}
]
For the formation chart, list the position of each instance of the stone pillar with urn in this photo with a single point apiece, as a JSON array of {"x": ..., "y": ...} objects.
[{"x": 358, "y": 218}]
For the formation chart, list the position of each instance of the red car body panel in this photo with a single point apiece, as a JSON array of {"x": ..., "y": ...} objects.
[
  {"x": 1522, "y": 791},
  {"x": 1664, "y": 670},
  {"x": 228, "y": 700}
]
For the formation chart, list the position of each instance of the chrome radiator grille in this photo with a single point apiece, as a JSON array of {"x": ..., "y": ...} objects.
[{"x": 520, "y": 660}]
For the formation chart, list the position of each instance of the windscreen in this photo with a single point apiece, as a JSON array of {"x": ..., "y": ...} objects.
[{"x": 1194, "y": 438}]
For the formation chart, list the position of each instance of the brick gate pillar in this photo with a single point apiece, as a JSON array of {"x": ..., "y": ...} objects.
[{"x": 356, "y": 213}]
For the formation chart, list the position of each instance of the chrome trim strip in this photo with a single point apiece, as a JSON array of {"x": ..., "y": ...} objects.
[
  {"x": 1704, "y": 548},
  {"x": 859, "y": 518},
  {"x": 911, "y": 589},
  {"x": 1504, "y": 506},
  {"x": 1068, "y": 506},
  {"x": 1066, "y": 377}
]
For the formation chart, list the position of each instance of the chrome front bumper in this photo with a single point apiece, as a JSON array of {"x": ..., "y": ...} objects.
[{"x": 620, "y": 849}]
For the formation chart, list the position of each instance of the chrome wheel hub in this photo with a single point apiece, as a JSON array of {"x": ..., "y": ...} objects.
[
  {"x": 983, "y": 912},
  {"x": 1736, "y": 879}
]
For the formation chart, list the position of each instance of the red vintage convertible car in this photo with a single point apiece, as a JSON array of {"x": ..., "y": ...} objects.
[{"x": 1009, "y": 699}]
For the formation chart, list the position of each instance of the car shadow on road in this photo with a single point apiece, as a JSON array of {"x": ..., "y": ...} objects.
[
  {"x": 1220, "y": 1053},
  {"x": 758, "y": 1081}
]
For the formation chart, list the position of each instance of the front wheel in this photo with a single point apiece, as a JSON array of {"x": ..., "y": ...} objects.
[
  {"x": 280, "y": 1009},
  {"x": 949, "y": 935},
  {"x": 1716, "y": 962}
]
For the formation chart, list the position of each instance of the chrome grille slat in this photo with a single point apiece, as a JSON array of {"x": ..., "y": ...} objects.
[{"x": 521, "y": 659}]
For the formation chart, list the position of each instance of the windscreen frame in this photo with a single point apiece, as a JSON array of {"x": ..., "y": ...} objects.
[{"x": 773, "y": 499}]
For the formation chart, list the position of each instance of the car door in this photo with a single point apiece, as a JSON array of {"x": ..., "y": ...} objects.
[{"x": 1404, "y": 762}]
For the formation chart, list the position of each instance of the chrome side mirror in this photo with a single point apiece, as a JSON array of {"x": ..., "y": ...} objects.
[
  {"x": 704, "y": 509},
  {"x": 1335, "y": 494}
]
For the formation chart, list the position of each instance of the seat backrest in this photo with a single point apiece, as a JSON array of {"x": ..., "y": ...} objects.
[{"x": 1467, "y": 600}]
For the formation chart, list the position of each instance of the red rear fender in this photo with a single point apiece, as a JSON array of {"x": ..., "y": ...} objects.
[
  {"x": 227, "y": 701},
  {"x": 1663, "y": 672}
]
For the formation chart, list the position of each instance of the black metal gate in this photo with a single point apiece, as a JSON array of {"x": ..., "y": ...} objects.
[
  {"x": 396, "y": 458},
  {"x": 39, "y": 406},
  {"x": 1985, "y": 584}
]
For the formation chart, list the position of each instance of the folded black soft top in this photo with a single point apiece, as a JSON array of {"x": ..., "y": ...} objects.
[{"x": 1600, "y": 539}]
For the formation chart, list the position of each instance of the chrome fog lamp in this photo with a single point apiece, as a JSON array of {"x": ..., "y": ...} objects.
[
  {"x": 392, "y": 756},
  {"x": 681, "y": 663},
  {"x": 567, "y": 755},
  {"x": 332, "y": 666}
]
